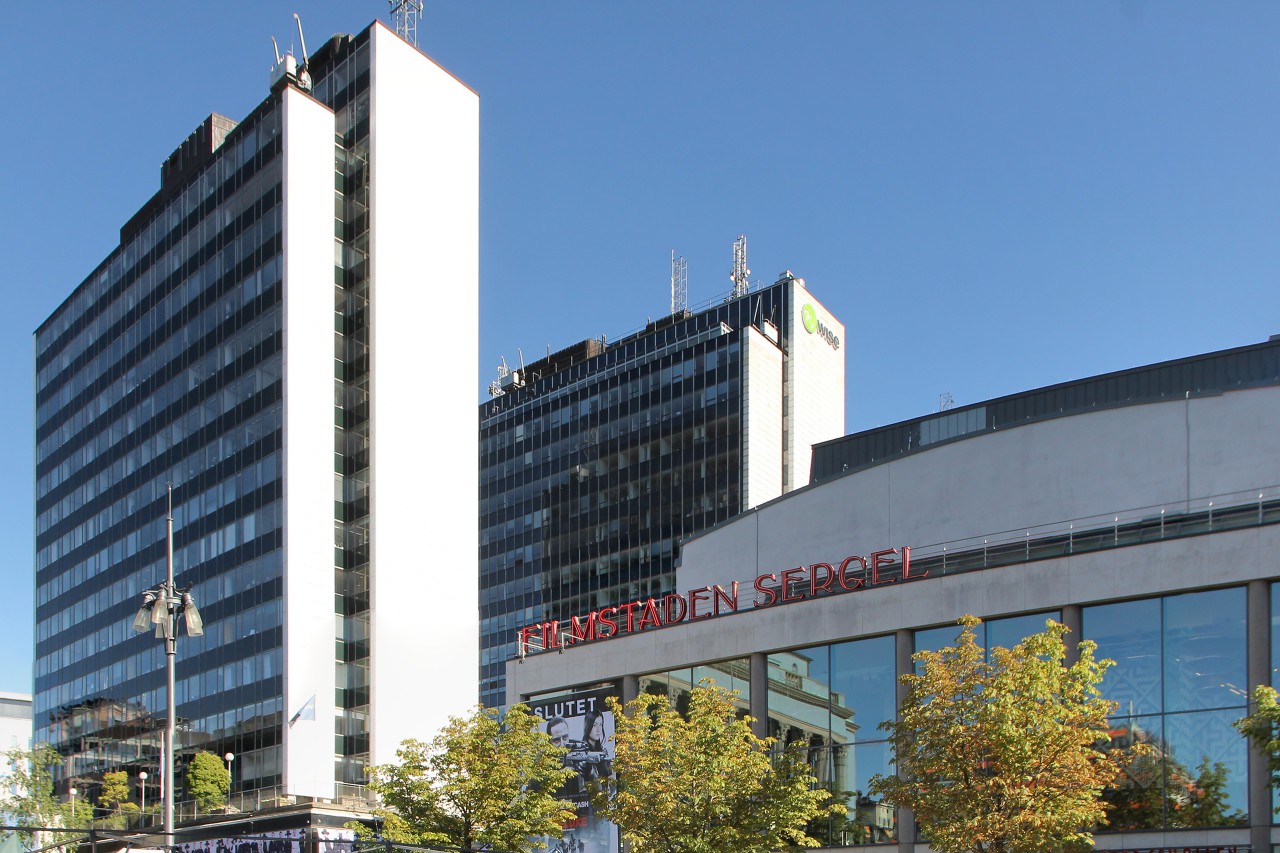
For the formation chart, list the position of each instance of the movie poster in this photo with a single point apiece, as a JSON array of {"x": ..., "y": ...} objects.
[{"x": 582, "y": 724}]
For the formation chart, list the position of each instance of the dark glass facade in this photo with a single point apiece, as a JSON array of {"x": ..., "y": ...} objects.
[
  {"x": 594, "y": 469},
  {"x": 343, "y": 84},
  {"x": 165, "y": 367}
]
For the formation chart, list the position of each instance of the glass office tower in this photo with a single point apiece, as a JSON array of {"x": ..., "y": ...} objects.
[
  {"x": 598, "y": 459},
  {"x": 249, "y": 344}
]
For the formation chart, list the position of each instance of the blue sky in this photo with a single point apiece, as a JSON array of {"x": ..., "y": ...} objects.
[{"x": 992, "y": 196}]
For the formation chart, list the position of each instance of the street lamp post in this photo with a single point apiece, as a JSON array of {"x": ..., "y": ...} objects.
[
  {"x": 230, "y": 756},
  {"x": 161, "y": 607},
  {"x": 143, "y": 811},
  {"x": 73, "y": 804}
]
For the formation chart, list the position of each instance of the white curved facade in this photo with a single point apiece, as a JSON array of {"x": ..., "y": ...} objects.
[{"x": 1161, "y": 507}]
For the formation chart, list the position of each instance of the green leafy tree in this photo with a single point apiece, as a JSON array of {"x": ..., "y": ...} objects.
[
  {"x": 486, "y": 780},
  {"x": 113, "y": 798},
  {"x": 999, "y": 753},
  {"x": 705, "y": 783},
  {"x": 207, "y": 780},
  {"x": 1262, "y": 727},
  {"x": 35, "y": 804},
  {"x": 1208, "y": 803},
  {"x": 114, "y": 791}
]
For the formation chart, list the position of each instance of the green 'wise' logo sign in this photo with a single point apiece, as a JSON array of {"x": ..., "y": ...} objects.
[
  {"x": 814, "y": 326},
  {"x": 810, "y": 318}
]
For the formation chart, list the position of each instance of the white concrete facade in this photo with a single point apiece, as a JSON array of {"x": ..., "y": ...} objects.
[
  {"x": 308, "y": 444},
  {"x": 1084, "y": 467},
  {"x": 424, "y": 299},
  {"x": 814, "y": 382},
  {"x": 1044, "y": 478}
]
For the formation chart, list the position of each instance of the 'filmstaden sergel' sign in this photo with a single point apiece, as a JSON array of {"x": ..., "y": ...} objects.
[{"x": 803, "y": 582}]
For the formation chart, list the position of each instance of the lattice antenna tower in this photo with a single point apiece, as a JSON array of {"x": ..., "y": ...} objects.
[
  {"x": 945, "y": 401},
  {"x": 679, "y": 284},
  {"x": 741, "y": 276},
  {"x": 404, "y": 19}
]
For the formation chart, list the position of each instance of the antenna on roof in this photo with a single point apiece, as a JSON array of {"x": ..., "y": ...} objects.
[
  {"x": 945, "y": 401},
  {"x": 679, "y": 284},
  {"x": 404, "y": 18},
  {"x": 304, "y": 76},
  {"x": 741, "y": 276},
  {"x": 301, "y": 40},
  {"x": 289, "y": 67}
]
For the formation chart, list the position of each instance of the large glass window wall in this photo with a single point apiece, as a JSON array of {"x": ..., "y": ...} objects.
[
  {"x": 830, "y": 701},
  {"x": 1180, "y": 680},
  {"x": 165, "y": 367},
  {"x": 676, "y": 684}
]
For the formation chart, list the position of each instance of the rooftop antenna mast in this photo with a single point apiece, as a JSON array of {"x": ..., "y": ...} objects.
[
  {"x": 404, "y": 18},
  {"x": 304, "y": 73},
  {"x": 679, "y": 284},
  {"x": 301, "y": 40},
  {"x": 741, "y": 276}
]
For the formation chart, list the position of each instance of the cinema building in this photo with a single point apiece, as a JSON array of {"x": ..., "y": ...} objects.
[{"x": 1137, "y": 507}]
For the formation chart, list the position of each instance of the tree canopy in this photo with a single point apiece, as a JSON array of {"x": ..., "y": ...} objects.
[
  {"x": 705, "y": 783},
  {"x": 208, "y": 780},
  {"x": 488, "y": 779},
  {"x": 1262, "y": 728},
  {"x": 34, "y": 804},
  {"x": 999, "y": 751},
  {"x": 115, "y": 790}
]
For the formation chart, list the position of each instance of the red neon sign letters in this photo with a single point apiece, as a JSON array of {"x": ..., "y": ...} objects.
[{"x": 803, "y": 582}]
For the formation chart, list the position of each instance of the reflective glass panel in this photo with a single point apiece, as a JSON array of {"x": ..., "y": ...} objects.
[
  {"x": 1275, "y": 635},
  {"x": 863, "y": 689},
  {"x": 732, "y": 674},
  {"x": 1205, "y": 770},
  {"x": 1013, "y": 630},
  {"x": 872, "y": 821},
  {"x": 799, "y": 695},
  {"x": 1128, "y": 632},
  {"x": 933, "y": 639},
  {"x": 1204, "y": 650},
  {"x": 1137, "y": 799}
]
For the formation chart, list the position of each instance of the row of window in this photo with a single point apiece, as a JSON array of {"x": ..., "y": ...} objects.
[
  {"x": 644, "y": 383},
  {"x": 69, "y": 648},
  {"x": 222, "y": 277},
  {"x": 240, "y": 322},
  {"x": 186, "y": 210},
  {"x": 245, "y": 481}
]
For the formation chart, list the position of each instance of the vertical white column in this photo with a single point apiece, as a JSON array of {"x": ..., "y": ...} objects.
[
  {"x": 424, "y": 381},
  {"x": 814, "y": 377},
  {"x": 308, "y": 446}
]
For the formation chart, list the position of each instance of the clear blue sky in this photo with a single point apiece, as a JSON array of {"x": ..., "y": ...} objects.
[{"x": 992, "y": 196}]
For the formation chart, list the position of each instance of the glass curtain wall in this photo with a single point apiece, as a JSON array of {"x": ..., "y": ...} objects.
[
  {"x": 344, "y": 86},
  {"x": 1180, "y": 679},
  {"x": 165, "y": 367},
  {"x": 829, "y": 701},
  {"x": 590, "y": 476}
]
